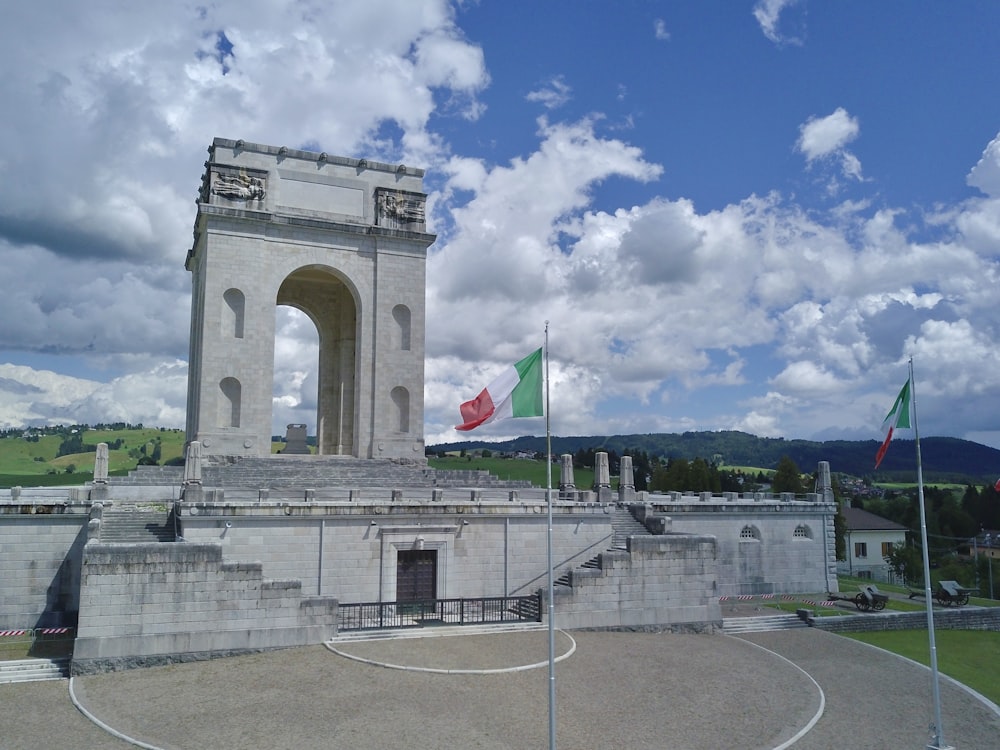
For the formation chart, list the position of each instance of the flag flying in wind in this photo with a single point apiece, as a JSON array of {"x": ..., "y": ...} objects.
[
  {"x": 898, "y": 416},
  {"x": 516, "y": 392}
]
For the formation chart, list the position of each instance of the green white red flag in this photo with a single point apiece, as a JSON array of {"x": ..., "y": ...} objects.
[
  {"x": 516, "y": 392},
  {"x": 898, "y": 417}
]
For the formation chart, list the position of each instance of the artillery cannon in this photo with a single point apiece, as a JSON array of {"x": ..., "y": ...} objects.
[
  {"x": 950, "y": 592},
  {"x": 867, "y": 599}
]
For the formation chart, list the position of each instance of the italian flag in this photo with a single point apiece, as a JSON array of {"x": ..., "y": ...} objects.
[
  {"x": 516, "y": 392},
  {"x": 898, "y": 416}
]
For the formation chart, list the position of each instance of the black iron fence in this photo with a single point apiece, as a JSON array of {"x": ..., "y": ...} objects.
[{"x": 485, "y": 610}]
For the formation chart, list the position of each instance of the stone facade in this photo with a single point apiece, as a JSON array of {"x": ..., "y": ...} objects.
[
  {"x": 664, "y": 582},
  {"x": 41, "y": 548},
  {"x": 143, "y": 604},
  {"x": 343, "y": 240},
  {"x": 350, "y": 550}
]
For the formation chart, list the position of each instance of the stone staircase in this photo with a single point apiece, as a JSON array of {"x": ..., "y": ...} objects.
[
  {"x": 315, "y": 472},
  {"x": 131, "y": 524},
  {"x": 32, "y": 670},
  {"x": 762, "y": 624},
  {"x": 623, "y": 525}
]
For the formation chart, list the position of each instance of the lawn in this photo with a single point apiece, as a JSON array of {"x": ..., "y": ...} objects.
[
  {"x": 34, "y": 463},
  {"x": 970, "y": 656}
]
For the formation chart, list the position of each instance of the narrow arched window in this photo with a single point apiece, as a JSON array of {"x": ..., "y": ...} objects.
[
  {"x": 401, "y": 399},
  {"x": 233, "y": 313},
  {"x": 401, "y": 314},
  {"x": 229, "y": 415}
]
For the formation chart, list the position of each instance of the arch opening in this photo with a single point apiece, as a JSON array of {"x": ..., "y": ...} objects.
[{"x": 315, "y": 357}]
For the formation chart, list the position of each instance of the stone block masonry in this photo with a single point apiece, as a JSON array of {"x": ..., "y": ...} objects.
[
  {"x": 41, "y": 546},
  {"x": 147, "y": 604},
  {"x": 665, "y": 582}
]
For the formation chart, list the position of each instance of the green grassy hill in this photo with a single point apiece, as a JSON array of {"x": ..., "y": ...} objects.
[
  {"x": 66, "y": 456},
  {"x": 945, "y": 460}
]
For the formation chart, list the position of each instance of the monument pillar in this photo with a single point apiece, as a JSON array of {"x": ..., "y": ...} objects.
[
  {"x": 626, "y": 481},
  {"x": 345, "y": 242},
  {"x": 602, "y": 477}
]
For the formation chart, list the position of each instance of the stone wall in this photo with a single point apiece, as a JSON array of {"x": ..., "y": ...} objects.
[
  {"x": 975, "y": 618},
  {"x": 144, "y": 604},
  {"x": 350, "y": 550},
  {"x": 764, "y": 547},
  {"x": 41, "y": 547},
  {"x": 661, "y": 582}
]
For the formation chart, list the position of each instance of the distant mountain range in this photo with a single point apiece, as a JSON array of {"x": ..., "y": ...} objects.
[{"x": 943, "y": 459}]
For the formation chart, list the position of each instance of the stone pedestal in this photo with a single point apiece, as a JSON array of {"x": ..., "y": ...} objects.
[
  {"x": 295, "y": 440},
  {"x": 566, "y": 472},
  {"x": 602, "y": 474},
  {"x": 626, "y": 481}
]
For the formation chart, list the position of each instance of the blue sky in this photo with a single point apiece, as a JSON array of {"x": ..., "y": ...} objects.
[{"x": 735, "y": 215}]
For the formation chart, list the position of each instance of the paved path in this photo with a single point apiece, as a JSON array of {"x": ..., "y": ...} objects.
[{"x": 632, "y": 690}]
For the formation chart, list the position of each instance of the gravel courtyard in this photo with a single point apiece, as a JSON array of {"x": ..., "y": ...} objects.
[{"x": 633, "y": 690}]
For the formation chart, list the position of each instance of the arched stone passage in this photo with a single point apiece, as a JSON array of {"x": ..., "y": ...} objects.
[
  {"x": 342, "y": 240},
  {"x": 330, "y": 303}
]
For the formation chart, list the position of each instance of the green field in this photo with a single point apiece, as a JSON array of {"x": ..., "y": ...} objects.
[
  {"x": 35, "y": 463},
  {"x": 970, "y": 656}
]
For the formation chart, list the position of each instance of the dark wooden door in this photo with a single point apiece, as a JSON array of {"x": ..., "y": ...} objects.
[{"x": 416, "y": 575}]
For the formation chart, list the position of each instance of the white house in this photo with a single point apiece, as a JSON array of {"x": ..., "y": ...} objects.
[{"x": 869, "y": 538}]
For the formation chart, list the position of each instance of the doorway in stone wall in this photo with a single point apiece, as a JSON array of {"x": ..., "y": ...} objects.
[{"x": 416, "y": 575}]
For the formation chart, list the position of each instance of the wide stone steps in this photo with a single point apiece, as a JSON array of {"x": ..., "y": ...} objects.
[
  {"x": 315, "y": 472},
  {"x": 131, "y": 526},
  {"x": 32, "y": 670},
  {"x": 763, "y": 624}
]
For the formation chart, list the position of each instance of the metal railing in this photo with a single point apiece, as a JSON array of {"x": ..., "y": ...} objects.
[
  {"x": 485, "y": 610},
  {"x": 37, "y": 642}
]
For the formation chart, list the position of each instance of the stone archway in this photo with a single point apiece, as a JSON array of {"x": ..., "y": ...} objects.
[
  {"x": 330, "y": 304},
  {"x": 345, "y": 242}
]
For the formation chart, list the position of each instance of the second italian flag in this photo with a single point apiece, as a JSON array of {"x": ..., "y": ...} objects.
[{"x": 898, "y": 416}]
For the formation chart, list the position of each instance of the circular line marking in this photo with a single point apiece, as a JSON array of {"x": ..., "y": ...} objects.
[
  {"x": 434, "y": 670},
  {"x": 822, "y": 696},
  {"x": 107, "y": 728}
]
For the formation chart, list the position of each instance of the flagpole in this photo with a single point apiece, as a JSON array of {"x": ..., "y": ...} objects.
[
  {"x": 548, "y": 502},
  {"x": 938, "y": 728}
]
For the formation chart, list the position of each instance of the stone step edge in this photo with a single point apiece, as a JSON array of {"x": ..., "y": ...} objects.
[{"x": 435, "y": 632}]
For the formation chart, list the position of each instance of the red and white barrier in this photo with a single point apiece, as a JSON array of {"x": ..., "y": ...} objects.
[{"x": 35, "y": 632}]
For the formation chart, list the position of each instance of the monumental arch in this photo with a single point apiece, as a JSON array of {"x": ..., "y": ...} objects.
[{"x": 344, "y": 241}]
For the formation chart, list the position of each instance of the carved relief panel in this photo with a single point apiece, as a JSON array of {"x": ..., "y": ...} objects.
[
  {"x": 234, "y": 186},
  {"x": 400, "y": 209}
]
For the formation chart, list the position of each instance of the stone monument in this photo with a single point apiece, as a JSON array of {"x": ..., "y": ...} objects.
[{"x": 344, "y": 241}]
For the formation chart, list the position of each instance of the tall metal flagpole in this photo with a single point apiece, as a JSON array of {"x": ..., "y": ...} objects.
[
  {"x": 548, "y": 502},
  {"x": 938, "y": 729}
]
